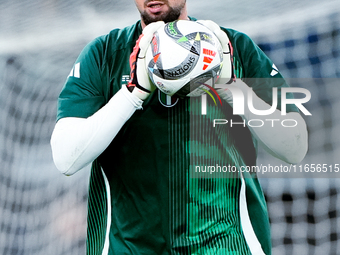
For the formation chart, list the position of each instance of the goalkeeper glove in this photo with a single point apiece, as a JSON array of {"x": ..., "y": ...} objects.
[
  {"x": 139, "y": 83},
  {"x": 227, "y": 72}
]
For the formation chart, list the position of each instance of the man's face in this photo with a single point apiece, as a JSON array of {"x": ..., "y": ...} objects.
[{"x": 166, "y": 10}]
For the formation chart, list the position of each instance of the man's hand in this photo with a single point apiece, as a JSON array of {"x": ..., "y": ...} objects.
[
  {"x": 227, "y": 72},
  {"x": 140, "y": 84}
]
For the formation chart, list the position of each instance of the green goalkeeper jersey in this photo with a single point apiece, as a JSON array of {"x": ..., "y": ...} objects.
[{"x": 142, "y": 196}]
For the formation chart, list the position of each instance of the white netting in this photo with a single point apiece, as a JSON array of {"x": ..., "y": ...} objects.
[
  {"x": 43, "y": 212},
  {"x": 304, "y": 213}
]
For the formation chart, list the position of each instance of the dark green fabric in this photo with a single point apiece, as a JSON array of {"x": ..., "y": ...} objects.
[{"x": 156, "y": 207}]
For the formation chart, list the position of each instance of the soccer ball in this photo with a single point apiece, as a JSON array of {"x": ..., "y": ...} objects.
[{"x": 184, "y": 58}]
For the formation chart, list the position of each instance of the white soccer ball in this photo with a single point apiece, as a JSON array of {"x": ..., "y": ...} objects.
[{"x": 183, "y": 58}]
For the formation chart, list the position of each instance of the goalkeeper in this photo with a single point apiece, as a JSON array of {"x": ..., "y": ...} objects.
[{"x": 141, "y": 197}]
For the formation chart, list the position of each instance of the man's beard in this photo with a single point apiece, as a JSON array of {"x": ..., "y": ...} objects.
[{"x": 172, "y": 15}]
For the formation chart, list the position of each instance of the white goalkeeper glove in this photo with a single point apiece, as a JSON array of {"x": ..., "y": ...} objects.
[
  {"x": 140, "y": 84},
  {"x": 227, "y": 72}
]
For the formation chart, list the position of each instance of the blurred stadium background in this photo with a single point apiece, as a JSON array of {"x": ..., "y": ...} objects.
[{"x": 44, "y": 212}]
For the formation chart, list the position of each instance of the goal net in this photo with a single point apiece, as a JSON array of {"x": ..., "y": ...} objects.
[
  {"x": 44, "y": 212},
  {"x": 304, "y": 212}
]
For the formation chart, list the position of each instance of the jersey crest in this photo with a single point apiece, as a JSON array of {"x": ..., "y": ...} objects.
[{"x": 166, "y": 100}]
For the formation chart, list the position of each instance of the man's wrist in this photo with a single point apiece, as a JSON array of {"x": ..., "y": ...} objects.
[{"x": 132, "y": 97}]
